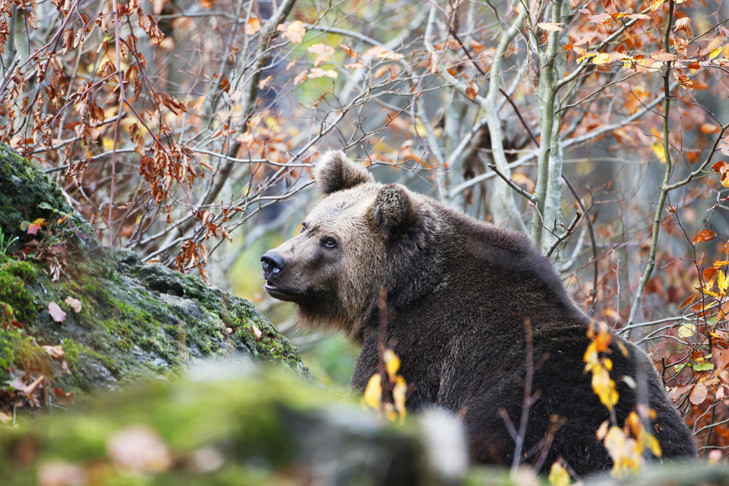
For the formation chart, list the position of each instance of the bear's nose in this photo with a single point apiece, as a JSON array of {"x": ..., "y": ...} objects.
[{"x": 272, "y": 263}]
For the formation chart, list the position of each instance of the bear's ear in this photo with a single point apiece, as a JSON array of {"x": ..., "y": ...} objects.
[
  {"x": 335, "y": 172},
  {"x": 394, "y": 210}
]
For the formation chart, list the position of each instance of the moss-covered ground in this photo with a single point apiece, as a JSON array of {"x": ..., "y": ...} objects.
[{"x": 124, "y": 319}]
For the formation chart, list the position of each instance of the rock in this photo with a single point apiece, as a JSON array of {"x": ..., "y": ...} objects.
[
  {"x": 135, "y": 319},
  {"x": 228, "y": 423}
]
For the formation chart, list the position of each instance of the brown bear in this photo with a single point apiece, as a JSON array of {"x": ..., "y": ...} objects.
[{"x": 462, "y": 296}]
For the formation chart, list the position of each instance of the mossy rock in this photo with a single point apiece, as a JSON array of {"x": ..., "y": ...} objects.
[
  {"x": 135, "y": 319},
  {"x": 227, "y": 424}
]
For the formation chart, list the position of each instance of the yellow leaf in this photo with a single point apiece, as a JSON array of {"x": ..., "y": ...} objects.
[
  {"x": 604, "y": 386},
  {"x": 723, "y": 282},
  {"x": 392, "y": 363},
  {"x": 373, "y": 393},
  {"x": 686, "y": 330},
  {"x": 601, "y": 59},
  {"x": 558, "y": 475},
  {"x": 399, "y": 393},
  {"x": 657, "y": 148},
  {"x": 715, "y": 53}
]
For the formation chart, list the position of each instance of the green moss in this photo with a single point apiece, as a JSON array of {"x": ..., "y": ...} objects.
[{"x": 13, "y": 278}]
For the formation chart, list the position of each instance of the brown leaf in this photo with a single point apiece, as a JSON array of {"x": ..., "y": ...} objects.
[
  {"x": 55, "y": 352},
  {"x": 472, "y": 90},
  {"x": 56, "y": 312},
  {"x": 698, "y": 394},
  {"x": 256, "y": 332},
  {"x": 689, "y": 300}
]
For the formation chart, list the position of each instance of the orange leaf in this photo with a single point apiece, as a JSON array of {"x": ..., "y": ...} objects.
[
  {"x": 252, "y": 26},
  {"x": 688, "y": 300},
  {"x": 710, "y": 273},
  {"x": 703, "y": 235},
  {"x": 709, "y": 128}
]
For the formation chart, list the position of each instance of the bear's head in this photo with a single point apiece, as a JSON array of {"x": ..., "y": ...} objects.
[{"x": 359, "y": 238}]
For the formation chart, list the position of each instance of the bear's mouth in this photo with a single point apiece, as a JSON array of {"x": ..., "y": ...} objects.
[{"x": 278, "y": 293}]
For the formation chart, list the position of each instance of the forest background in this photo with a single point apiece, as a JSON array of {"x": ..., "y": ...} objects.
[{"x": 187, "y": 130}]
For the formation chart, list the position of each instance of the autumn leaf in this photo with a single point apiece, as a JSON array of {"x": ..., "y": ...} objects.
[
  {"x": 703, "y": 235},
  {"x": 323, "y": 53},
  {"x": 350, "y": 52},
  {"x": 56, "y": 312},
  {"x": 75, "y": 304},
  {"x": 36, "y": 226},
  {"x": 139, "y": 449},
  {"x": 252, "y": 26},
  {"x": 601, "y": 59},
  {"x": 373, "y": 392},
  {"x": 472, "y": 90},
  {"x": 392, "y": 363},
  {"x": 293, "y": 31},
  {"x": 55, "y": 352},
  {"x": 558, "y": 475},
  {"x": 688, "y": 301},
  {"x": 698, "y": 394},
  {"x": 381, "y": 52},
  {"x": 550, "y": 26},
  {"x": 321, "y": 73}
]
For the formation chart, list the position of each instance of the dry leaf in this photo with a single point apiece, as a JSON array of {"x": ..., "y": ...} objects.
[
  {"x": 294, "y": 31},
  {"x": 550, "y": 26},
  {"x": 252, "y": 26},
  {"x": 55, "y": 352},
  {"x": 56, "y": 312},
  {"x": 698, "y": 394},
  {"x": 75, "y": 304},
  {"x": 472, "y": 90},
  {"x": 139, "y": 448},
  {"x": 324, "y": 53}
]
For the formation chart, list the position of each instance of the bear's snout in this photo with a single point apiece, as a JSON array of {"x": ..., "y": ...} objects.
[{"x": 272, "y": 263}]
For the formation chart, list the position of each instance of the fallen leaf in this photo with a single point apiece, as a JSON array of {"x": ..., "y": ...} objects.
[
  {"x": 698, "y": 394},
  {"x": 55, "y": 352},
  {"x": 75, "y": 304},
  {"x": 56, "y": 312},
  {"x": 140, "y": 449}
]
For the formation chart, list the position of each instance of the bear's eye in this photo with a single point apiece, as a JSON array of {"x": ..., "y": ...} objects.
[
  {"x": 303, "y": 227},
  {"x": 329, "y": 242}
]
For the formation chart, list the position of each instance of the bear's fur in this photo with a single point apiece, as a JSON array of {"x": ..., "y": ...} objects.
[{"x": 461, "y": 295}]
